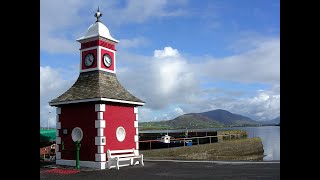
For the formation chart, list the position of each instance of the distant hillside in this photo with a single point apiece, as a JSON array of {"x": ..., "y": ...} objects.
[
  {"x": 275, "y": 121},
  {"x": 210, "y": 119},
  {"x": 228, "y": 118}
]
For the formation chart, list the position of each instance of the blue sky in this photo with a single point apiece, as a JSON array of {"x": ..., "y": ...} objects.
[{"x": 179, "y": 56}]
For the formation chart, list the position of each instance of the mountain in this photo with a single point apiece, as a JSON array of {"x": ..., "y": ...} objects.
[
  {"x": 215, "y": 118},
  {"x": 228, "y": 118},
  {"x": 274, "y": 121}
]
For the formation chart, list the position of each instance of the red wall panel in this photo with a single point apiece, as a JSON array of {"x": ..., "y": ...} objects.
[
  {"x": 83, "y": 116},
  {"x": 116, "y": 116}
]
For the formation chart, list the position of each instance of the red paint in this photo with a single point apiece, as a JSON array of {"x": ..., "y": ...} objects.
[
  {"x": 84, "y": 53},
  {"x": 113, "y": 60},
  {"x": 81, "y": 115},
  {"x": 116, "y": 116},
  {"x": 96, "y": 43},
  {"x": 61, "y": 171}
]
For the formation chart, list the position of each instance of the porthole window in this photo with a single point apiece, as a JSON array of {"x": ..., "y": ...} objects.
[{"x": 121, "y": 134}]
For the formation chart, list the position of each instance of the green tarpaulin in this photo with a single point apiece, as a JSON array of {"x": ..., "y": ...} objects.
[{"x": 47, "y": 135}]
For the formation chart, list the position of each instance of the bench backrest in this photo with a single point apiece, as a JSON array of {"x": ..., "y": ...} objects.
[{"x": 120, "y": 153}]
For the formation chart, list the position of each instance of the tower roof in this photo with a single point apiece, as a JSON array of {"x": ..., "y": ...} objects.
[
  {"x": 98, "y": 29},
  {"x": 96, "y": 86}
]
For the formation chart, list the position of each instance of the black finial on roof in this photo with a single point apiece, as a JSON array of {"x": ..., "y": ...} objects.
[{"x": 98, "y": 15}]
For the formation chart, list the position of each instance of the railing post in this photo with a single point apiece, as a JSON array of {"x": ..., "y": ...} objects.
[
  {"x": 198, "y": 141},
  {"x": 210, "y": 139},
  {"x": 150, "y": 145}
]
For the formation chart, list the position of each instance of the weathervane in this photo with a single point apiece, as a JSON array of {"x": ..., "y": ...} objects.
[{"x": 98, "y": 15}]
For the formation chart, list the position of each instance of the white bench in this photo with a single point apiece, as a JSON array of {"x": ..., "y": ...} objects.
[{"x": 115, "y": 156}]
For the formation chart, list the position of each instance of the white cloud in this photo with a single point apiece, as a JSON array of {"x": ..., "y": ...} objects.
[
  {"x": 260, "y": 64},
  {"x": 136, "y": 42},
  {"x": 52, "y": 85},
  {"x": 168, "y": 79},
  {"x": 62, "y": 22}
]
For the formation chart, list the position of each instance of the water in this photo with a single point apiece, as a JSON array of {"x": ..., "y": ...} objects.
[{"x": 270, "y": 136}]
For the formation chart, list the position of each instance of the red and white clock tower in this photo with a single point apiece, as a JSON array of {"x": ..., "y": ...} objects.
[{"x": 96, "y": 103}]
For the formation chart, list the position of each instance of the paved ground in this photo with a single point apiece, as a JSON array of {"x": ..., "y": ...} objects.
[{"x": 170, "y": 170}]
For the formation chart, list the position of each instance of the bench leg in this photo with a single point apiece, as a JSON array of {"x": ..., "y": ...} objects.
[
  {"x": 117, "y": 164},
  {"x": 131, "y": 161},
  {"x": 141, "y": 160}
]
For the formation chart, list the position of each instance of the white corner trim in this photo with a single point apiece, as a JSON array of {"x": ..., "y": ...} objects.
[
  {"x": 100, "y": 107},
  {"x": 100, "y": 115},
  {"x": 137, "y": 145},
  {"x": 58, "y": 155},
  {"x": 136, "y": 152},
  {"x": 58, "y": 110},
  {"x": 58, "y": 140},
  {"x": 100, "y": 123},
  {"x": 137, "y": 131},
  {"x": 100, "y": 140},
  {"x": 57, "y": 117},
  {"x": 97, "y": 99},
  {"x": 137, "y": 117},
  {"x": 99, "y": 131},
  {"x": 100, "y": 149},
  {"x": 136, "y": 138},
  {"x": 89, "y": 164},
  {"x": 99, "y": 57},
  {"x": 135, "y": 110},
  {"x": 57, "y": 148},
  {"x": 101, "y": 157},
  {"x": 58, "y": 125},
  {"x": 135, "y": 124},
  {"x": 57, "y": 133}
]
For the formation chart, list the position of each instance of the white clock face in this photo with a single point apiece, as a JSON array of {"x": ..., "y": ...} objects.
[
  {"x": 107, "y": 61},
  {"x": 89, "y": 59}
]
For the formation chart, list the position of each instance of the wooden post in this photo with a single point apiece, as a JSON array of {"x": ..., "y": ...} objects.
[
  {"x": 150, "y": 145},
  {"x": 210, "y": 139},
  {"x": 184, "y": 142},
  {"x": 198, "y": 141}
]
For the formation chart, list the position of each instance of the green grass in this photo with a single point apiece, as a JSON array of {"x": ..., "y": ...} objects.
[{"x": 240, "y": 149}]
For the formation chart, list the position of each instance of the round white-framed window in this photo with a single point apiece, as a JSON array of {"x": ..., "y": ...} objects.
[{"x": 120, "y": 133}]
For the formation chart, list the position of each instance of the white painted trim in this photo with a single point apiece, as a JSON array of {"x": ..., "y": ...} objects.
[
  {"x": 57, "y": 118},
  {"x": 100, "y": 107},
  {"x": 58, "y": 155},
  {"x": 101, "y": 157},
  {"x": 99, "y": 131},
  {"x": 80, "y": 67},
  {"x": 57, "y": 148},
  {"x": 58, "y": 110},
  {"x": 100, "y": 115},
  {"x": 58, "y": 140},
  {"x": 97, "y": 99},
  {"x": 136, "y": 138},
  {"x": 90, "y": 164},
  {"x": 137, "y": 131},
  {"x": 107, "y": 49},
  {"x": 98, "y": 140},
  {"x": 58, "y": 125},
  {"x": 137, "y": 145},
  {"x": 137, "y": 117},
  {"x": 99, "y": 57},
  {"x": 135, "y": 110},
  {"x": 100, "y": 149},
  {"x": 57, "y": 133},
  {"x": 136, "y": 152},
  {"x": 115, "y": 62},
  {"x": 135, "y": 124},
  {"x": 100, "y": 123}
]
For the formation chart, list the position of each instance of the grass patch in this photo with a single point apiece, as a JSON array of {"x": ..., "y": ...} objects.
[{"x": 239, "y": 149}]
